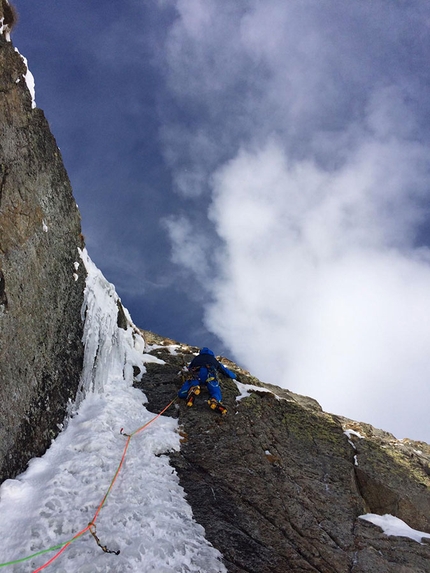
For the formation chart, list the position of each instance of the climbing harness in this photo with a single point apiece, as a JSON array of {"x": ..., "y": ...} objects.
[{"x": 212, "y": 374}]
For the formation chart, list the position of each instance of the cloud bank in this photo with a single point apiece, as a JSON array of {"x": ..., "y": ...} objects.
[
  {"x": 307, "y": 129},
  {"x": 316, "y": 292}
]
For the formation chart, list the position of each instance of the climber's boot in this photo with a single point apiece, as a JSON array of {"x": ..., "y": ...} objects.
[
  {"x": 217, "y": 406},
  {"x": 191, "y": 396}
]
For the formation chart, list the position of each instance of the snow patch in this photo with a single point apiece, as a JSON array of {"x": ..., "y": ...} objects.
[
  {"x": 246, "y": 389},
  {"x": 4, "y": 29},
  {"x": 172, "y": 348},
  {"x": 394, "y": 526},
  {"x": 75, "y": 275},
  {"x": 350, "y": 433},
  {"x": 152, "y": 358},
  {"x": 29, "y": 80}
]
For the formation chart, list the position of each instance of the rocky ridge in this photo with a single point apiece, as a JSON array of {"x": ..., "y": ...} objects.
[
  {"x": 279, "y": 485},
  {"x": 41, "y": 281}
]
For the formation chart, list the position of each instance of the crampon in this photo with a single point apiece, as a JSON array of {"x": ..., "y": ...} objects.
[
  {"x": 191, "y": 396},
  {"x": 217, "y": 406}
]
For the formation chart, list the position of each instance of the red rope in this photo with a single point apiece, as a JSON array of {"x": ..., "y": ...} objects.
[
  {"x": 121, "y": 463},
  {"x": 62, "y": 549},
  {"x": 113, "y": 480}
]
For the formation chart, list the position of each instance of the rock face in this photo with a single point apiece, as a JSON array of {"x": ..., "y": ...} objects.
[
  {"x": 40, "y": 298},
  {"x": 279, "y": 486},
  {"x": 277, "y": 483}
]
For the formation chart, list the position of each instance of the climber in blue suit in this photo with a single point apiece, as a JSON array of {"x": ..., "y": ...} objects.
[{"x": 203, "y": 370}]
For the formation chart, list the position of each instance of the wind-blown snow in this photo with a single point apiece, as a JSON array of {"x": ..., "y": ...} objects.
[
  {"x": 29, "y": 80},
  {"x": 246, "y": 389},
  {"x": 146, "y": 516},
  {"x": 350, "y": 433},
  {"x": 394, "y": 526},
  {"x": 4, "y": 29}
]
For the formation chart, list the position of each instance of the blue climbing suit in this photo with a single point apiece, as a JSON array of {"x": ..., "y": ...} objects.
[{"x": 205, "y": 367}]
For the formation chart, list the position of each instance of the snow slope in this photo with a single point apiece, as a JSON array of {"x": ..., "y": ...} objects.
[{"x": 146, "y": 516}]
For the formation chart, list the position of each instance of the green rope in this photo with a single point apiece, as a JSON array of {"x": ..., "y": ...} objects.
[
  {"x": 36, "y": 554},
  {"x": 43, "y": 551}
]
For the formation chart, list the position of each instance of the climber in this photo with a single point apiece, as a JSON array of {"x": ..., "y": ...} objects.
[{"x": 203, "y": 370}]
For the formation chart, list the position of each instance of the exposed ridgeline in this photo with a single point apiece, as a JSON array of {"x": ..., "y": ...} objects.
[
  {"x": 40, "y": 300},
  {"x": 279, "y": 485}
]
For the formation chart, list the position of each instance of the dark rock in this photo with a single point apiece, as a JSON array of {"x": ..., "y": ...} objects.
[
  {"x": 9, "y": 15},
  {"x": 40, "y": 300},
  {"x": 276, "y": 484},
  {"x": 391, "y": 475},
  {"x": 3, "y": 296},
  {"x": 121, "y": 320}
]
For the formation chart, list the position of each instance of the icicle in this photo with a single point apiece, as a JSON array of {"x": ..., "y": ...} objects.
[{"x": 109, "y": 350}]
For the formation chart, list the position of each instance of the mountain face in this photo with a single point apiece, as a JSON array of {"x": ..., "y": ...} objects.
[
  {"x": 279, "y": 485},
  {"x": 41, "y": 284}
]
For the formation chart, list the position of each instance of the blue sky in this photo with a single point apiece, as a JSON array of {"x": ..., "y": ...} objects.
[{"x": 254, "y": 176}]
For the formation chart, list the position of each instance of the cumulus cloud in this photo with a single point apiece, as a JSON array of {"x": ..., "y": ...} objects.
[
  {"x": 318, "y": 177},
  {"x": 320, "y": 290}
]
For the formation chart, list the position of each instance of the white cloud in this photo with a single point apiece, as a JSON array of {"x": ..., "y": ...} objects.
[
  {"x": 321, "y": 290},
  {"x": 190, "y": 248},
  {"x": 320, "y": 170},
  {"x": 191, "y": 156}
]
